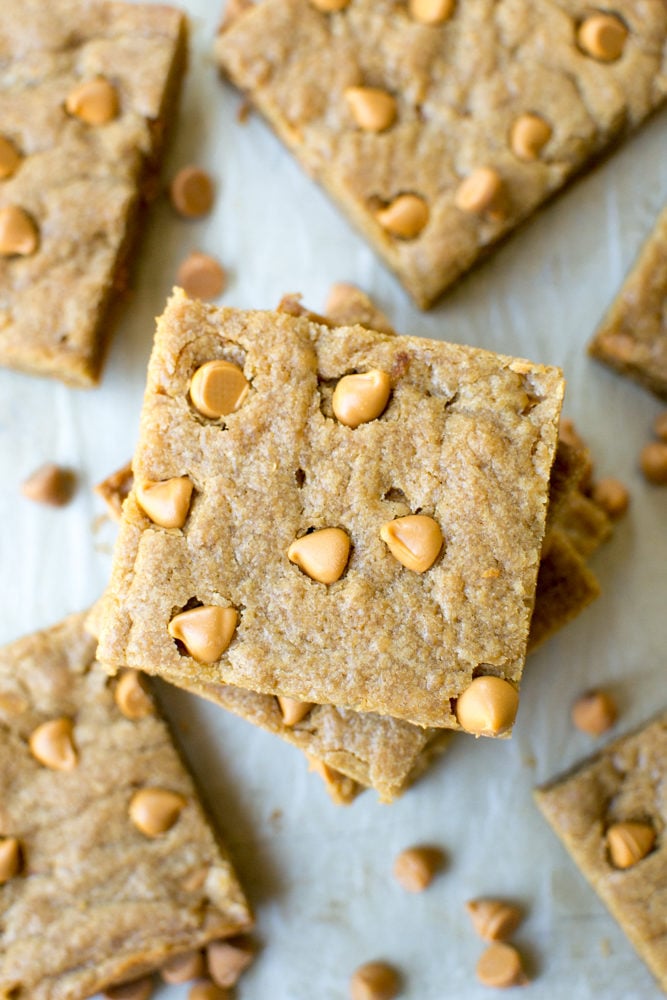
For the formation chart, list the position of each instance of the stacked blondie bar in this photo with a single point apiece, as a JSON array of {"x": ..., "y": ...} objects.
[
  {"x": 351, "y": 749},
  {"x": 337, "y": 531}
]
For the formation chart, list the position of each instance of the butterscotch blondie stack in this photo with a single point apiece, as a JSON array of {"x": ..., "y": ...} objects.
[
  {"x": 611, "y": 814},
  {"x": 440, "y": 125},
  {"x": 333, "y": 515},
  {"x": 352, "y": 749},
  {"x": 108, "y": 865},
  {"x": 632, "y": 338},
  {"x": 88, "y": 90}
]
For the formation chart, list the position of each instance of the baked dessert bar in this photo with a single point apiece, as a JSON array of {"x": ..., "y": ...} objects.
[
  {"x": 633, "y": 335},
  {"x": 108, "y": 864},
  {"x": 87, "y": 92},
  {"x": 611, "y": 813},
  {"x": 460, "y": 438},
  {"x": 378, "y": 751},
  {"x": 436, "y": 156}
]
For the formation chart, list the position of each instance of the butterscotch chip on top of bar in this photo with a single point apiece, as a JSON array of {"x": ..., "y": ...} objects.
[
  {"x": 87, "y": 92},
  {"x": 632, "y": 338},
  {"x": 611, "y": 814},
  {"x": 436, "y": 156},
  {"x": 108, "y": 865},
  {"x": 466, "y": 440}
]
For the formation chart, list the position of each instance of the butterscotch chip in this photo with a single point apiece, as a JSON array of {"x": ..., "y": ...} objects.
[
  {"x": 404, "y": 217},
  {"x": 191, "y": 192},
  {"x": 357, "y": 399},
  {"x": 201, "y": 276},
  {"x": 115, "y": 489},
  {"x": 480, "y": 192},
  {"x": 629, "y": 842},
  {"x": 50, "y": 484},
  {"x": 10, "y": 158},
  {"x": 18, "y": 232},
  {"x": 431, "y": 11},
  {"x": 529, "y": 136},
  {"x": 347, "y": 305},
  {"x": 205, "y": 632},
  {"x": 155, "y": 810},
  {"x": 416, "y": 867},
  {"x": 166, "y": 503},
  {"x": 93, "y": 101},
  {"x": 218, "y": 388},
  {"x": 594, "y": 712},
  {"x": 131, "y": 696},
  {"x": 500, "y": 967},
  {"x": 493, "y": 919},
  {"x": 139, "y": 989},
  {"x": 603, "y": 37},
  {"x": 373, "y": 109},
  {"x": 329, "y": 6},
  {"x": 322, "y": 554},
  {"x": 207, "y": 990},
  {"x": 183, "y": 968},
  {"x": 10, "y": 858},
  {"x": 227, "y": 960},
  {"x": 52, "y": 744},
  {"x": 293, "y": 711},
  {"x": 415, "y": 540},
  {"x": 653, "y": 462},
  {"x": 488, "y": 707},
  {"x": 612, "y": 496},
  {"x": 660, "y": 426},
  {"x": 375, "y": 981}
]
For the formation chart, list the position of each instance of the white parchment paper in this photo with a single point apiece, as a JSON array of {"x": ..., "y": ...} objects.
[{"x": 320, "y": 876}]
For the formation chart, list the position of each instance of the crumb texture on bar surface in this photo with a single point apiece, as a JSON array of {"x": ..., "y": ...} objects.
[
  {"x": 468, "y": 438},
  {"x": 455, "y": 116},
  {"x": 633, "y": 335},
  {"x": 81, "y": 183},
  {"x": 624, "y": 783},
  {"x": 96, "y": 902}
]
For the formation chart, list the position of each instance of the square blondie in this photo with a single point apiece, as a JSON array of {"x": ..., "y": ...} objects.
[
  {"x": 611, "y": 815},
  {"x": 465, "y": 442},
  {"x": 632, "y": 338},
  {"x": 88, "y": 91},
  {"x": 439, "y": 126},
  {"x": 108, "y": 864},
  {"x": 377, "y": 751}
]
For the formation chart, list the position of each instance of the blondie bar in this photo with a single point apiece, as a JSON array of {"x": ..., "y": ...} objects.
[
  {"x": 331, "y": 514},
  {"x": 87, "y": 92},
  {"x": 611, "y": 814},
  {"x": 633, "y": 335},
  {"x": 440, "y": 127},
  {"x": 108, "y": 864}
]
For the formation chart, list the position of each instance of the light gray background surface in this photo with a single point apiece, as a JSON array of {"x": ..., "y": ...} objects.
[{"x": 320, "y": 876}]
